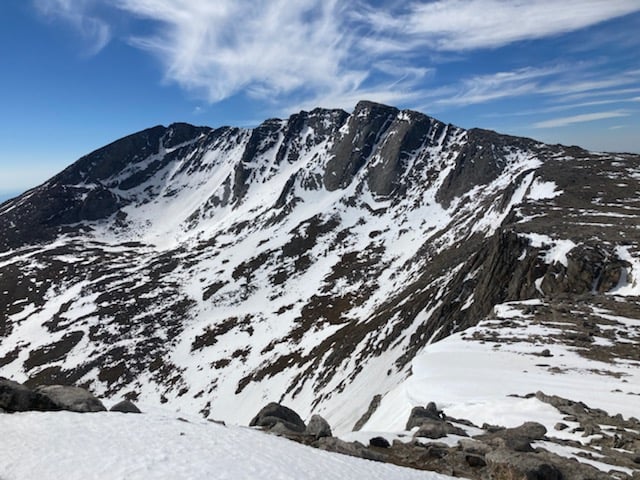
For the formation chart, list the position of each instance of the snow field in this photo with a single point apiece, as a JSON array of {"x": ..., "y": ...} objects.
[{"x": 114, "y": 446}]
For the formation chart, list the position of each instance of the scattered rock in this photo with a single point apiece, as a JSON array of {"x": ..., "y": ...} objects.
[
  {"x": 546, "y": 353},
  {"x": 517, "y": 439},
  {"x": 420, "y": 414},
  {"x": 437, "y": 429},
  {"x": 274, "y": 413},
  {"x": 474, "y": 446},
  {"x": 475, "y": 461},
  {"x": 353, "y": 449},
  {"x": 15, "y": 397},
  {"x": 74, "y": 399},
  {"x": 318, "y": 427},
  {"x": 125, "y": 406},
  {"x": 379, "y": 442},
  {"x": 560, "y": 426},
  {"x": 509, "y": 465}
]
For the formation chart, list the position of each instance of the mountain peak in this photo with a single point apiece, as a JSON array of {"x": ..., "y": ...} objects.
[{"x": 300, "y": 259}]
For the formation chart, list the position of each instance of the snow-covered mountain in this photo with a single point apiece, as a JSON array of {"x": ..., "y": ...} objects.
[{"x": 306, "y": 261}]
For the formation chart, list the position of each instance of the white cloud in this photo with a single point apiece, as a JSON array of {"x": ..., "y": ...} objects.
[
  {"x": 332, "y": 53},
  {"x": 95, "y": 31},
  {"x": 470, "y": 24},
  {"x": 587, "y": 117},
  {"x": 264, "y": 48},
  {"x": 484, "y": 88}
]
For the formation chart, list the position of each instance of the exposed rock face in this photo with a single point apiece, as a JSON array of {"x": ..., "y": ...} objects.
[
  {"x": 289, "y": 259},
  {"x": 274, "y": 414},
  {"x": 75, "y": 399},
  {"x": 375, "y": 403}
]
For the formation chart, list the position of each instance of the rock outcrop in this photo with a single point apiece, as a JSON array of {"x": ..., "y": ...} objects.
[{"x": 274, "y": 415}]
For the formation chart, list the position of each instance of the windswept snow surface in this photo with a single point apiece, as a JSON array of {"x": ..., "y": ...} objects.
[
  {"x": 476, "y": 373},
  {"x": 105, "y": 446}
]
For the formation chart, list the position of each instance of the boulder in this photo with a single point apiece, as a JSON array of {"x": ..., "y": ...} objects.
[
  {"x": 433, "y": 429},
  {"x": 318, "y": 427},
  {"x": 420, "y": 414},
  {"x": 274, "y": 413},
  {"x": 475, "y": 461},
  {"x": 74, "y": 399},
  {"x": 504, "y": 464},
  {"x": 379, "y": 442},
  {"x": 353, "y": 449},
  {"x": 517, "y": 439},
  {"x": 125, "y": 406},
  {"x": 15, "y": 397},
  {"x": 475, "y": 447}
]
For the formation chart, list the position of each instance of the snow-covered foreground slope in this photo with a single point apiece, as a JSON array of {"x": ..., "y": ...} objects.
[{"x": 113, "y": 446}]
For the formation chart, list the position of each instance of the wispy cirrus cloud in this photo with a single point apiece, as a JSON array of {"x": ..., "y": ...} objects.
[
  {"x": 95, "y": 31},
  {"x": 587, "y": 117},
  {"x": 332, "y": 53},
  {"x": 558, "y": 83},
  {"x": 455, "y": 25}
]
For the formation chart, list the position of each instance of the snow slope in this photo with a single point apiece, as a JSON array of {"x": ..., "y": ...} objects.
[
  {"x": 113, "y": 446},
  {"x": 474, "y": 374}
]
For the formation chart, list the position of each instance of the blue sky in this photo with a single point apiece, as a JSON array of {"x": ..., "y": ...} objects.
[{"x": 77, "y": 74}]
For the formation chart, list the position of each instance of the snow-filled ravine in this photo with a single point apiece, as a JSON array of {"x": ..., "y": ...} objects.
[{"x": 115, "y": 446}]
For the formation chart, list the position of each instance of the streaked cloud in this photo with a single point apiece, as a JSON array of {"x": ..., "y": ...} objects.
[
  {"x": 587, "y": 117},
  {"x": 471, "y": 24},
  {"x": 95, "y": 31},
  {"x": 329, "y": 53}
]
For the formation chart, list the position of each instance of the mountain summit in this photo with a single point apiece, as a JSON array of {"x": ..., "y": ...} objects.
[{"x": 305, "y": 261}]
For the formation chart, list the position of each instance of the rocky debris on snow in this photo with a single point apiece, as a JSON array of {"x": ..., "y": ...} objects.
[
  {"x": 15, "y": 397},
  {"x": 518, "y": 439},
  {"x": 74, "y": 399},
  {"x": 125, "y": 406},
  {"x": 353, "y": 449},
  {"x": 420, "y": 414},
  {"x": 318, "y": 427},
  {"x": 278, "y": 418},
  {"x": 379, "y": 442},
  {"x": 528, "y": 451}
]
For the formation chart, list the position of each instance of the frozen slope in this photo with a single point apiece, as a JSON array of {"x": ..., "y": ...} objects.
[{"x": 112, "y": 446}]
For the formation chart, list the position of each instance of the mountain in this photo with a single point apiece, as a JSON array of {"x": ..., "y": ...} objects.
[{"x": 307, "y": 261}]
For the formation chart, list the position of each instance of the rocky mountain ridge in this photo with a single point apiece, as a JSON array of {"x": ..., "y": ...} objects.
[{"x": 306, "y": 261}]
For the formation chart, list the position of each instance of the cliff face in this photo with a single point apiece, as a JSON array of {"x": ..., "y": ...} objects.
[{"x": 307, "y": 260}]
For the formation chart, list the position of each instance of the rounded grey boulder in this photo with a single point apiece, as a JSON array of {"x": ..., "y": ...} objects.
[
  {"x": 74, "y": 399},
  {"x": 125, "y": 406},
  {"x": 15, "y": 397},
  {"x": 274, "y": 413},
  {"x": 318, "y": 427}
]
